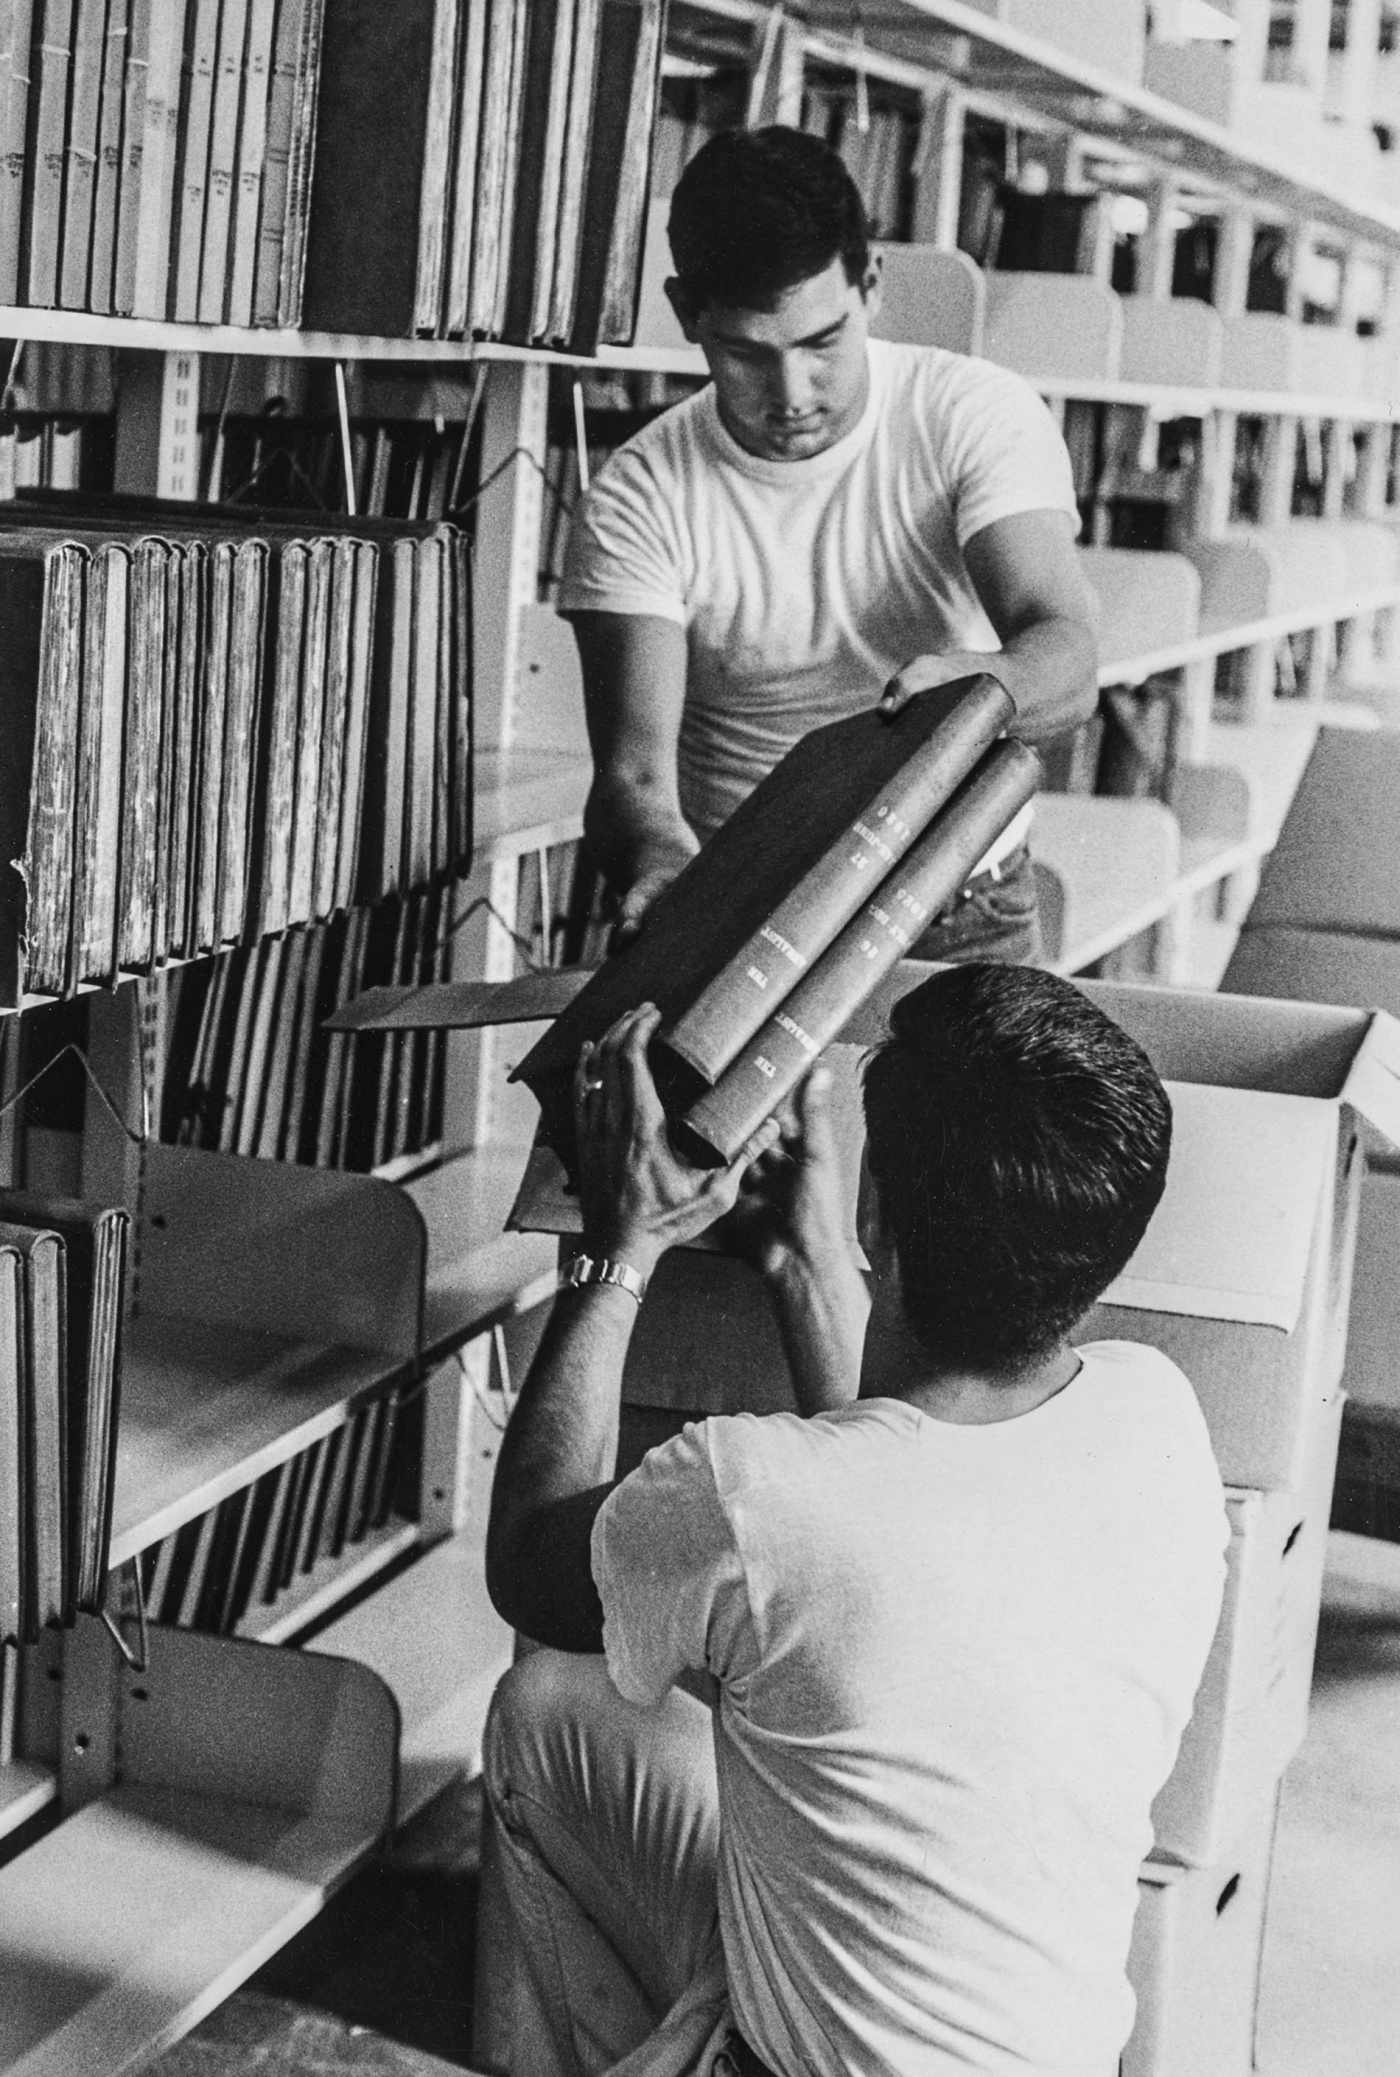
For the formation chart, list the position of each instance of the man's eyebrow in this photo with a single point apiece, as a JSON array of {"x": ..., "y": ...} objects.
[{"x": 812, "y": 338}]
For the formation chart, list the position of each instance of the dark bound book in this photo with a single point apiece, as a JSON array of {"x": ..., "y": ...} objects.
[
  {"x": 792, "y": 822},
  {"x": 619, "y": 165},
  {"x": 367, "y": 185}
]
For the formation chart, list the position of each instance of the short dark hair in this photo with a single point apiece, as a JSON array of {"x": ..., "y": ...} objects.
[
  {"x": 757, "y": 211},
  {"x": 1018, "y": 1141}
]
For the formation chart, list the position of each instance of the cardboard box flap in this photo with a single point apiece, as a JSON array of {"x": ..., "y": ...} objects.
[
  {"x": 1372, "y": 1088},
  {"x": 1233, "y": 1233}
]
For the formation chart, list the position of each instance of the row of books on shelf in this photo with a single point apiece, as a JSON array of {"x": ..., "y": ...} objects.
[
  {"x": 250, "y": 1069},
  {"x": 62, "y": 1288},
  {"x": 434, "y": 166},
  {"x": 156, "y": 155},
  {"x": 220, "y": 722},
  {"x": 876, "y": 132},
  {"x": 221, "y": 1571},
  {"x": 481, "y": 169}
]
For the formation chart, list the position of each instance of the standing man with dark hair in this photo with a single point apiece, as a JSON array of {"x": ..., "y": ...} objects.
[
  {"x": 952, "y": 1613},
  {"x": 832, "y": 522}
]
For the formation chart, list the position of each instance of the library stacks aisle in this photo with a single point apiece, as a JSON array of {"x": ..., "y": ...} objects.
[{"x": 317, "y": 317}]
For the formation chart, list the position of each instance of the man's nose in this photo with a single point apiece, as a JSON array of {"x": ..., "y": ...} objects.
[{"x": 791, "y": 389}]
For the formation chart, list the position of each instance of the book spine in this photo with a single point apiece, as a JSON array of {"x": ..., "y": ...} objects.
[
  {"x": 192, "y": 167},
  {"x": 885, "y": 931},
  {"x": 252, "y": 148},
  {"x": 332, "y": 773},
  {"x": 311, "y": 713},
  {"x": 575, "y": 176},
  {"x": 513, "y": 119},
  {"x": 465, "y": 147},
  {"x": 138, "y": 65},
  {"x": 276, "y": 861},
  {"x": 53, "y": 57},
  {"x": 622, "y": 277},
  {"x": 437, "y": 172},
  {"x": 223, "y": 161},
  {"x": 486, "y": 234},
  {"x": 16, "y": 20},
  {"x": 246, "y": 651},
  {"x": 277, "y": 157},
  {"x": 49, "y": 856},
  {"x": 210, "y": 801},
  {"x": 84, "y": 115},
  {"x": 300, "y": 163},
  {"x": 164, "y": 96},
  {"x": 109, "y": 159},
  {"x": 727, "y": 1013}
]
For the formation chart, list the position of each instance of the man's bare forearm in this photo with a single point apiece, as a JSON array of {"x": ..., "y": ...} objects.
[
  {"x": 1050, "y": 670},
  {"x": 822, "y": 1306},
  {"x": 560, "y": 1447},
  {"x": 633, "y": 826}
]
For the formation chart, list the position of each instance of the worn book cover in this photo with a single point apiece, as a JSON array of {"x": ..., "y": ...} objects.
[
  {"x": 80, "y": 177},
  {"x": 107, "y": 179},
  {"x": 221, "y": 185}
]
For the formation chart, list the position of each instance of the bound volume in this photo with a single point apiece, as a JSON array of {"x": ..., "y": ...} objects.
[
  {"x": 62, "y": 1275},
  {"x": 776, "y": 932}
]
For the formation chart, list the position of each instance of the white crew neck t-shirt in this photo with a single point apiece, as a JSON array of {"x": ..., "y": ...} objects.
[
  {"x": 805, "y": 586},
  {"x": 954, "y": 1667}
]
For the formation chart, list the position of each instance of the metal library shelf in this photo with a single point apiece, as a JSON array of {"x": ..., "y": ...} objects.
[
  {"x": 987, "y": 57},
  {"x": 162, "y": 1892},
  {"x": 26, "y": 1788},
  {"x": 208, "y": 1407},
  {"x": 477, "y": 1273}
]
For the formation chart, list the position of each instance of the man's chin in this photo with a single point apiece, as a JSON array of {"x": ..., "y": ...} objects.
[{"x": 797, "y": 445}]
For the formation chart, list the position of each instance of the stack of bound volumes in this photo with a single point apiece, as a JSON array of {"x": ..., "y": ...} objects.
[
  {"x": 216, "y": 726},
  {"x": 451, "y": 167},
  {"x": 760, "y": 952},
  {"x": 481, "y": 168},
  {"x": 155, "y": 156},
  {"x": 224, "y": 1568},
  {"x": 250, "y": 1069},
  {"x": 62, "y": 1272}
]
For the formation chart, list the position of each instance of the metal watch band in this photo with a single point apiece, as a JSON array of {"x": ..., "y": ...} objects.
[{"x": 586, "y": 1269}]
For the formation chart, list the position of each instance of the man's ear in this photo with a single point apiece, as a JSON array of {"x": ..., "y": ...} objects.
[
  {"x": 683, "y": 307},
  {"x": 871, "y": 286}
]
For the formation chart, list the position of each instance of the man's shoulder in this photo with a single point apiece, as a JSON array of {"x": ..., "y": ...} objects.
[
  {"x": 934, "y": 383},
  {"x": 664, "y": 443}
]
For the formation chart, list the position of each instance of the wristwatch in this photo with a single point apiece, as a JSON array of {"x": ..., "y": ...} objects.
[{"x": 588, "y": 1269}]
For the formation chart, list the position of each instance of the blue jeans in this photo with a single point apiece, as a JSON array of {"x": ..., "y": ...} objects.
[{"x": 992, "y": 919}]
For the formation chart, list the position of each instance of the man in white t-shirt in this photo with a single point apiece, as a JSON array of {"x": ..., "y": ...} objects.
[
  {"x": 951, "y": 1616},
  {"x": 833, "y": 520}
]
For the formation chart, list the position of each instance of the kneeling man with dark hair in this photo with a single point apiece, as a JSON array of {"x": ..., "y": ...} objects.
[{"x": 948, "y": 1619}]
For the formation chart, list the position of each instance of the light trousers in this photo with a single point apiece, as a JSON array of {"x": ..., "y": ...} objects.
[{"x": 598, "y": 1934}]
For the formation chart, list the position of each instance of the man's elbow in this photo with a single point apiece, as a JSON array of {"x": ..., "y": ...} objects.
[{"x": 1068, "y": 689}]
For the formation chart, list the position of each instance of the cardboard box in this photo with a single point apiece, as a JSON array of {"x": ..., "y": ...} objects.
[
  {"x": 1194, "y": 1964},
  {"x": 1252, "y": 1706},
  {"x": 1244, "y": 1276},
  {"x": 1372, "y": 1374},
  {"x": 1304, "y": 963},
  {"x": 1333, "y": 868}
]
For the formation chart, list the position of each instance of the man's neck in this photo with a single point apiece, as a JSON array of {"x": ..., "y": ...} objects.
[{"x": 976, "y": 1399}]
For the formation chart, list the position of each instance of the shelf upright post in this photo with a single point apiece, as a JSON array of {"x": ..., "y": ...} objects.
[
  {"x": 938, "y": 191},
  {"x": 505, "y": 580},
  {"x": 1357, "y": 82},
  {"x": 157, "y": 455},
  {"x": 1157, "y": 258},
  {"x": 778, "y": 61}
]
